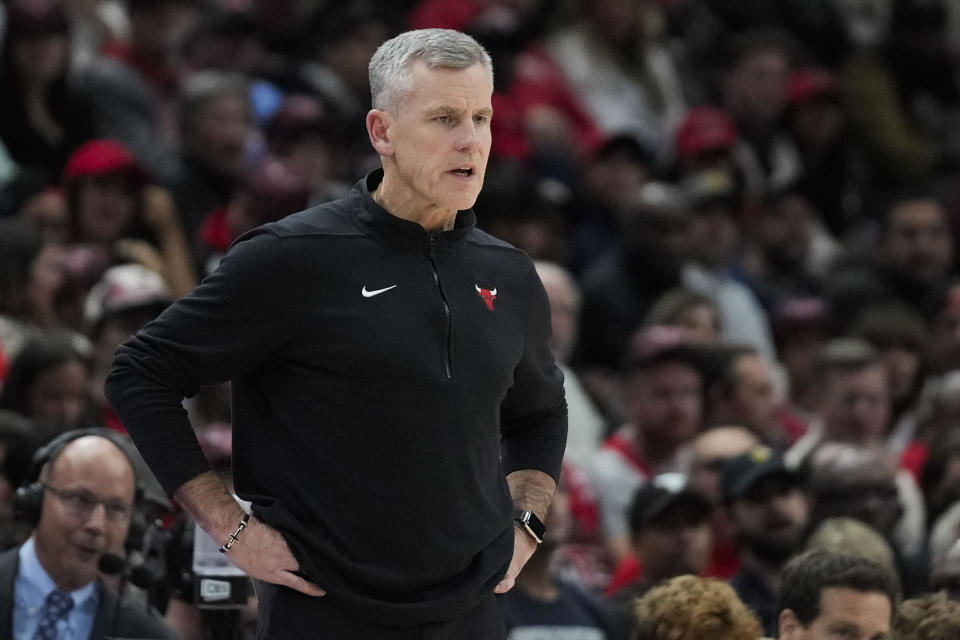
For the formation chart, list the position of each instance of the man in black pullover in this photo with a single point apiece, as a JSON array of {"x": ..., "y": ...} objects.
[{"x": 399, "y": 421}]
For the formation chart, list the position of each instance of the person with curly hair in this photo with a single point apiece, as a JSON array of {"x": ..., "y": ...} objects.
[
  {"x": 929, "y": 617},
  {"x": 692, "y": 608}
]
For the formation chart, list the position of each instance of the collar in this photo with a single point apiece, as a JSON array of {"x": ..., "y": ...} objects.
[
  {"x": 34, "y": 583},
  {"x": 390, "y": 229}
]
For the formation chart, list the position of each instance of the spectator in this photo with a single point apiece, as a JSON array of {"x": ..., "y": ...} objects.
[
  {"x": 125, "y": 299},
  {"x": 754, "y": 94},
  {"x": 620, "y": 289},
  {"x": 670, "y": 534},
  {"x": 914, "y": 257},
  {"x": 846, "y": 535},
  {"x": 662, "y": 393},
  {"x": 52, "y": 580},
  {"x": 44, "y": 115},
  {"x": 696, "y": 314},
  {"x": 855, "y": 393},
  {"x": 302, "y": 134},
  {"x": 800, "y": 330},
  {"x": 216, "y": 125},
  {"x": 688, "y": 607},
  {"x": 838, "y": 179},
  {"x": 714, "y": 200},
  {"x": 946, "y": 574},
  {"x": 705, "y": 141},
  {"x": 829, "y": 594},
  {"x": 586, "y": 428},
  {"x": 30, "y": 278},
  {"x": 271, "y": 192},
  {"x": 113, "y": 205},
  {"x": 622, "y": 73},
  {"x": 745, "y": 393},
  {"x": 929, "y": 617},
  {"x": 941, "y": 473},
  {"x": 768, "y": 510},
  {"x": 49, "y": 383},
  {"x": 544, "y": 605},
  {"x": 898, "y": 334}
]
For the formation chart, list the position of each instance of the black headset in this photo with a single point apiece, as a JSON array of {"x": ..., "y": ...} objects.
[{"x": 28, "y": 500}]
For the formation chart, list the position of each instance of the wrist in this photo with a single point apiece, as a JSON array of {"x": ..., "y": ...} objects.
[{"x": 528, "y": 522}]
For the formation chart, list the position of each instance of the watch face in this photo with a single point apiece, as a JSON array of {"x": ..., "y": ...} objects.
[{"x": 531, "y": 523}]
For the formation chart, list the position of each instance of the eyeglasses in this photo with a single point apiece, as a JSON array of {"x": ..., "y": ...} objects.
[{"x": 80, "y": 504}]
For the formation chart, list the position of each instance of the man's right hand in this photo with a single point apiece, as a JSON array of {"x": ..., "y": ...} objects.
[
  {"x": 259, "y": 551},
  {"x": 262, "y": 553}
]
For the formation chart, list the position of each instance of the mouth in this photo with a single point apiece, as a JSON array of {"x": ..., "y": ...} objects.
[{"x": 466, "y": 171}]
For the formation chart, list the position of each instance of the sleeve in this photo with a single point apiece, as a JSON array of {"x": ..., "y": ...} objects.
[
  {"x": 237, "y": 318},
  {"x": 533, "y": 416}
]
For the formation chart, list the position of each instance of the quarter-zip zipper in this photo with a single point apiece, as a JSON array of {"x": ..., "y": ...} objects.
[{"x": 432, "y": 238}]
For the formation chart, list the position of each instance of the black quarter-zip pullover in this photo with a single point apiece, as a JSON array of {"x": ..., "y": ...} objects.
[{"x": 384, "y": 381}]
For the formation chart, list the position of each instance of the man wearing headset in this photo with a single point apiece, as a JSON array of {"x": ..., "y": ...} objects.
[{"x": 80, "y": 504}]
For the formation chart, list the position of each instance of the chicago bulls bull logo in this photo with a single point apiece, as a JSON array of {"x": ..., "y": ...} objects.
[{"x": 488, "y": 295}]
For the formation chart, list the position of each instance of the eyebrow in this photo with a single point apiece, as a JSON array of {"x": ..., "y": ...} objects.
[{"x": 448, "y": 110}]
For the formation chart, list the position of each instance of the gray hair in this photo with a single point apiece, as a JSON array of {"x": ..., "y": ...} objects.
[{"x": 390, "y": 65}]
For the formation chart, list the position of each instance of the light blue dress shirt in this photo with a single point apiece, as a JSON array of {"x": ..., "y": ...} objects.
[{"x": 30, "y": 589}]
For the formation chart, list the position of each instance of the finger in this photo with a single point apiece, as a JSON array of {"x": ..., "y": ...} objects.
[
  {"x": 297, "y": 583},
  {"x": 505, "y": 585}
]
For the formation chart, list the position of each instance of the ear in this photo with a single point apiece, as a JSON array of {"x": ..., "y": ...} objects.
[
  {"x": 789, "y": 626},
  {"x": 378, "y": 128}
]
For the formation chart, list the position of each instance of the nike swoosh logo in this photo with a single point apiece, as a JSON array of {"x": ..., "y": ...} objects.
[{"x": 370, "y": 294}]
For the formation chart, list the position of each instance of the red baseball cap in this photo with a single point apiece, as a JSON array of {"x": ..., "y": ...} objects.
[
  {"x": 704, "y": 129},
  {"x": 811, "y": 83},
  {"x": 102, "y": 157}
]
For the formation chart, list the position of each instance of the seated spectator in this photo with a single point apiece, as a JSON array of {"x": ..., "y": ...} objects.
[
  {"x": 44, "y": 115},
  {"x": 302, "y": 135},
  {"x": 669, "y": 532},
  {"x": 662, "y": 393},
  {"x": 695, "y": 313},
  {"x": 586, "y": 426},
  {"x": 768, "y": 510},
  {"x": 48, "y": 383},
  {"x": 746, "y": 393},
  {"x": 125, "y": 299},
  {"x": 113, "y": 206},
  {"x": 800, "y": 331},
  {"x": 829, "y": 595},
  {"x": 913, "y": 258},
  {"x": 51, "y": 581},
  {"x": 705, "y": 141},
  {"x": 30, "y": 279},
  {"x": 846, "y": 535},
  {"x": 929, "y": 617},
  {"x": 714, "y": 200},
  {"x": 691, "y": 608},
  {"x": 546, "y": 606}
]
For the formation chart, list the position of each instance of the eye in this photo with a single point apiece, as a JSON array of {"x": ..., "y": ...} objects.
[
  {"x": 480, "y": 119},
  {"x": 81, "y": 501},
  {"x": 444, "y": 119}
]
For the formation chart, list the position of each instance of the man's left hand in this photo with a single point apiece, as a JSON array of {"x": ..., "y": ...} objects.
[{"x": 523, "y": 548}]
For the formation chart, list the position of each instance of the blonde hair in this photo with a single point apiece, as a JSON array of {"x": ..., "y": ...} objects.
[
  {"x": 931, "y": 617},
  {"x": 692, "y": 608}
]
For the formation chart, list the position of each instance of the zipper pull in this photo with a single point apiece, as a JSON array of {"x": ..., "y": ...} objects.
[{"x": 432, "y": 241}]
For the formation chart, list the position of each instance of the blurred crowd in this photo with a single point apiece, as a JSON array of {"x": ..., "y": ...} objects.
[{"x": 746, "y": 215}]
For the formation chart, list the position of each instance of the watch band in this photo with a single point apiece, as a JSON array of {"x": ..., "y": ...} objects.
[{"x": 531, "y": 524}]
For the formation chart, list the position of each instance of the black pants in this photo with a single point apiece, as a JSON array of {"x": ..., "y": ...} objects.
[{"x": 285, "y": 614}]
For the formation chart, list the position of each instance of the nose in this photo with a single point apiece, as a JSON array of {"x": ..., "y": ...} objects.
[
  {"x": 97, "y": 520},
  {"x": 469, "y": 136}
]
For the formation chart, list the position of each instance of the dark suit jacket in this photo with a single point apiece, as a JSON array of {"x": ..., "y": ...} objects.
[{"x": 132, "y": 620}]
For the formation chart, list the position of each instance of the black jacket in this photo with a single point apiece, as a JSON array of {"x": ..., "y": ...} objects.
[
  {"x": 130, "y": 620},
  {"x": 373, "y": 428}
]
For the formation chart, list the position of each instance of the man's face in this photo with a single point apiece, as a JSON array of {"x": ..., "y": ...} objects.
[
  {"x": 218, "y": 136},
  {"x": 856, "y": 406},
  {"x": 918, "y": 243},
  {"x": 665, "y": 401},
  {"x": 755, "y": 396},
  {"x": 677, "y": 543},
  {"x": 713, "y": 235},
  {"x": 756, "y": 87},
  {"x": 771, "y": 518},
  {"x": 70, "y": 540},
  {"x": 845, "y": 614},
  {"x": 58, "y": 397},
  {"x": 439, "y": 139}
]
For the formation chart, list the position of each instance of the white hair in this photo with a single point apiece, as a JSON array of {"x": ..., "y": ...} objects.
[{"x": 445, "y": 48}]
